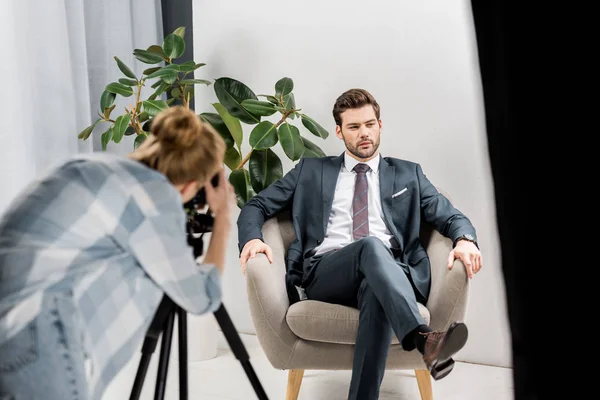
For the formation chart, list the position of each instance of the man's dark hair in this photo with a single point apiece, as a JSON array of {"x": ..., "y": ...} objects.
[{"x": 353, "y": 98}]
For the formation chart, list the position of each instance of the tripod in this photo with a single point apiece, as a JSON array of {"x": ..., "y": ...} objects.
[{"x": 163, "y": 322}]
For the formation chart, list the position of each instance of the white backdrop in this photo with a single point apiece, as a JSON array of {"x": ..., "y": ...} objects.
[
  {"x": 419, "y": 61},
  {"x": 56, "y": 59}
]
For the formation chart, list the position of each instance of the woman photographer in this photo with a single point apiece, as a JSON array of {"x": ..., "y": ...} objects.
[{"x": 87, "y": 252}]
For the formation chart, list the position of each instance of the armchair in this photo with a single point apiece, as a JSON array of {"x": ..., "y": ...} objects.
[{"x": 320, "y": 336}]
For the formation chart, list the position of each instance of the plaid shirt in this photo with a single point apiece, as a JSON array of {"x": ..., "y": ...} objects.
[{"x": 112, "y": 232}]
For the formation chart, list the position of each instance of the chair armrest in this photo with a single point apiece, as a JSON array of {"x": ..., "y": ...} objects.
[
  {"x": 449, "y": 292},
  {"x": 268, "y": 299}
]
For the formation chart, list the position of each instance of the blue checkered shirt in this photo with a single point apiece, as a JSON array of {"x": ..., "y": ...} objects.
[{"x": 112, "y": 232}]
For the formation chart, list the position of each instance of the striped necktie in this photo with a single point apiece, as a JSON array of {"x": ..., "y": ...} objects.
[{"x": 360, "y": 209}]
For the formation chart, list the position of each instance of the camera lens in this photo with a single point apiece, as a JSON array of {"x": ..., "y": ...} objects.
[{"x": 200, "y": 197}]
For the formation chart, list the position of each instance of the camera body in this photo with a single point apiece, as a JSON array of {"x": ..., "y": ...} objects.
[{"x": 199, "y": 221}]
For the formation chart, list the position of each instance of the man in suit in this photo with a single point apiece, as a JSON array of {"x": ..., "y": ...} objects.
[{"x": 357, "y": 219}]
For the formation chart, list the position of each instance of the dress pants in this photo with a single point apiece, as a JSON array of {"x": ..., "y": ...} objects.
[{"x": 365, "y": 275}]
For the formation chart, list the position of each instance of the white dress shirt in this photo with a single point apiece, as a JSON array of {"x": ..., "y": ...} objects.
[{"x": 339, "y": 223}]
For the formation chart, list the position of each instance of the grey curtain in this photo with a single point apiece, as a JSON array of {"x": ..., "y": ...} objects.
[{"x": 56, "y": 57}]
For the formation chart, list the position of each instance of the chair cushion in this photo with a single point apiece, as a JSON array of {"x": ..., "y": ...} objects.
[{"x": 329, "y": 323}]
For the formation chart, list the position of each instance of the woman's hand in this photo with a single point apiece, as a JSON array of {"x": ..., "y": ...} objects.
[{"x": 220, "y": 198}]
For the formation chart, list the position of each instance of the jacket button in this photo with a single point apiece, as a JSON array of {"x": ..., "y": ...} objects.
[{"x": 318, "y": 242}]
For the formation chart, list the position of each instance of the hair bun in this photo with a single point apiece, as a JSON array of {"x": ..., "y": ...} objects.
[{"x": 176, "y": 127}]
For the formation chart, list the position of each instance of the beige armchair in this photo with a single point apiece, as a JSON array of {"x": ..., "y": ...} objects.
[{"x": 320, "y": 336}]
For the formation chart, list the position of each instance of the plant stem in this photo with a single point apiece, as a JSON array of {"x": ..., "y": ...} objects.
[
  {"x": 245, "y": 160},
  {"x": 281, "y": 121},
  {"x": 135, "y": 122},
  {"x": 104, "y": 119}
]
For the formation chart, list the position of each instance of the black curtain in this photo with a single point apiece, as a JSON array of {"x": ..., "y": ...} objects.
[
  {"x": 512, "y": 65},
  {"x": 175, "y": 14}
]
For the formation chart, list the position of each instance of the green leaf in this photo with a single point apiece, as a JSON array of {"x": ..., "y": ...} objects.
[
  {"x": 139, "y": 140},
  {"x": 156, "y": 49},
  {"x": 153, "y": 107},
  {"x": 265, "y": 168},
  {"x": 180, "y": 31},
  {"x": 119, "y": 88},
  {"x": 187, "y": 66},
  {"x": 289, "y": 102},
  {"x": 147, "y": 57},
  {"x": 84, "y": 134},
  {"x": 106, "y": 136},
  {"x": 231, "y": 93},
  {"x": 151, "y": 70},
  {"x": 129, "y": 131},
  {"x": 273, "y": 100},
  {"x": 120, "y": 127},
  {"x": 289, "y": 137},
  {"x": 171, "y": 101},
  {"x": 260, "y": 108},
  {"x": 127, "y": 82},
  {"x": 195, "y": 81},
  {"x": 167, "y": 74},
  {"x": 143, "y": 116},
  {"x": 217, "y": 122},
  {"x": 175, "y": 92},
  {"x": 106, "y": 100},
  {"x": 125, "y": 69},
  {"x": 232, "y": 123},
  {"x": 190, "y": 66},
  {"x": 240, "y": 180},
  {"x": 263, "y": 136},
  {"x": 232, "y": 158},
  {"x": 173, "y": 45},
  {"x": 161, "y": 88},
  {"x": 283, "y": 87},
  {"x": 108, "y": 111},
  {"x": 311, "y": 149},
  {"x": 147, "y": 125},
  {"x": 313, "y": 127}
]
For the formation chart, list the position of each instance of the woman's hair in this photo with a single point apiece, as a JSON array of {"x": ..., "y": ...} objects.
[{"x": 182, "y": 147}]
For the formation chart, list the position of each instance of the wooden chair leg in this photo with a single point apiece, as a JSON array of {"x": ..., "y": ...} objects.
[
  {"x": 424, "y": 382},
  {"x": 294, "y": 382}
]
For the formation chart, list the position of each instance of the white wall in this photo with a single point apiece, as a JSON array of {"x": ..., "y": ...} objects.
[{"x": 419, "y": 61}]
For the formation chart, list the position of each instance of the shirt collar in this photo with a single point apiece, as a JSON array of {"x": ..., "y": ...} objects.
[{"x": 350, "y": 162}]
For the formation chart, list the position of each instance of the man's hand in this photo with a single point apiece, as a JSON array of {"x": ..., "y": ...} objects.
[
  {"x": 469, "y": 254},
  {"x": 251, "y": 248}
]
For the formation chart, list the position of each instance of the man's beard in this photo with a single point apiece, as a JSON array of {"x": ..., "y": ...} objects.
[{"x": 362, "y": 153}]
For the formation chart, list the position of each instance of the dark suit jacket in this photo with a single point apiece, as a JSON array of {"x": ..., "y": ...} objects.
[{"x": 309, "y": 189}]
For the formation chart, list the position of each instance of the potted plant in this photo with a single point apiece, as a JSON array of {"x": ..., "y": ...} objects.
[{"x": 237, "y": 105}]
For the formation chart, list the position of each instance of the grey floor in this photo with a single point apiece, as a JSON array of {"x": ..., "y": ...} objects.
[{"x": 222, "y": 378}]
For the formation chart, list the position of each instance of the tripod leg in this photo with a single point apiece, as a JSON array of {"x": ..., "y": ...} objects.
[
  {"x": 149, "y": 345},
  {"x": 183, "y": 353},
  {"x": 136, "y": 390},
  {"x": 237, "y": 346},
  {"x": 163, "y": 363}
]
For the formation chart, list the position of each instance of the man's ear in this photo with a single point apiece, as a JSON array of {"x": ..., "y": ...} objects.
[{"x": 338, "y": 132}]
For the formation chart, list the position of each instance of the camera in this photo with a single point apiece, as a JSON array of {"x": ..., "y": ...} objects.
[{"x": 198, "y": 220}]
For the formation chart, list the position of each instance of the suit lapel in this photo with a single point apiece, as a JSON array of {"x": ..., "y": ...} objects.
[
  {"x": 331, "y": 170},
  {"x": 387, "y": 174}
]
